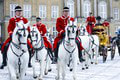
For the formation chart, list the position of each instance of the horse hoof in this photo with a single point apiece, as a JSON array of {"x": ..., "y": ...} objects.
[
  {"x": 86, "y": 67},
  {"x": 71, "y": 69},
  {"x": 49, "y": 70},
  {"x": 91, "y": 62},
  {"x": 46, "y": 73},
  {"x": 56, "y": 78},
  {"x": 83, "y": 68},
  {"x": 34, "y": 77},
  {"x": 17, "y": 77},
  {"x": 40, "y": 79},
  {"x": 96, "y": 63}
]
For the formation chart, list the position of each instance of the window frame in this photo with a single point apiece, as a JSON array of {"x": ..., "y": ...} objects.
[
  {"x": 12, "y": 9},
  {"x": 54, "y": 11},
  {"x": 70, "y": 4},
  {"x": 43, "y": 11},
  {"x": 102, "y": 11},
  {"x": 27, "y": 10}
]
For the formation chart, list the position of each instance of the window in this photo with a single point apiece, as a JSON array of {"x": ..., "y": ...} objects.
[
  {"x": 55, "y": 11},
  {"x": 42, "y": 11},
  {"x": 12, "y": 9},
  {"x": 86, "y": 8},
  {"x": 70, "y": 4},
  {"x": 116, "y": 13},
  {"x": 27, "y": 11},
  {"x": 102, "y": 11}
]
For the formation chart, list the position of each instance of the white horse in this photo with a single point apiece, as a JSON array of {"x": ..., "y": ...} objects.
[
  {"x": 0, "y": 58},
  {"x": 68, "y": 51},
  {"x": 17, "y": 53},
  {"x": 40, "y": 53},
  {"x": 90, "y": 44}
]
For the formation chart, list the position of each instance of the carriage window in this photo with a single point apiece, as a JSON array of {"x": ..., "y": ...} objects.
[
  {"x": 116, "y": 13},
  {"x": 42, "y": 11},
  {"x": 12, "y": 9},
  {"x": 27, "y": 11},
  {"x": 70, "y": 4},
  {"x": 102, "y": 11},
  {"x": 86, "y": 8},
  {"x": 54, "y": 11}
]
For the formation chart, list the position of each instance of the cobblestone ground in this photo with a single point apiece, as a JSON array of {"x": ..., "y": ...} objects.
[{"x": 103, "y": 71}]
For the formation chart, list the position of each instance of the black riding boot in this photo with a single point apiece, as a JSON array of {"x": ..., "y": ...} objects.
[
  {"x": 50, "y": 53},
  {"x": 4, "y": 55},
  {"x": 30, "y": 56},
  {"x": 79, "y": 52},
  {"x": 56, "y": 55},
  {"x": 56, "y": 52}
]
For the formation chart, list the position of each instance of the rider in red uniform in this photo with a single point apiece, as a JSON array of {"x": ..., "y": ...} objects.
[
  {"x": 106, "y": 23},
  {"x": 60, "y": 27},
  {"x": 90, "y": 23},
  {"x": 11, "y": 27},
  {"x": 42, "y": 29}
]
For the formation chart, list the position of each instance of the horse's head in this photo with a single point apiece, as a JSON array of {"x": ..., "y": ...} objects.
[
  {"x": 71, "y": 30},
  {"x": 83, "y": 30},
  {"x": 35, "y": 35},
  {"x": 21, "y": 31}
]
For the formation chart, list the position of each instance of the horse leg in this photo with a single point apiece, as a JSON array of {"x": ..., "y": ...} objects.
[
  {"x": 87, "y": 61},
  {"x": 63, "y": 70},
  {"x": 24, "y": 66},
  {"x": 92, "y": 56},
  {"x": 58, "y": 71},
  {"x": 34, "y": 72},
  {"x": 12, "y": 72},
  {"x": 96, "y": 54},
  {"x": 42, "y": 69},
  {"x": 83, "y": 63},
  {"x": 47, "y": 65}
]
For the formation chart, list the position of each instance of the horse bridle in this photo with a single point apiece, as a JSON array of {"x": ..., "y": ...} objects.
[
  {"x": 19, "y": 35},
  {"x": 41, "y": 40},
  {"x": 18, "y": 47}
]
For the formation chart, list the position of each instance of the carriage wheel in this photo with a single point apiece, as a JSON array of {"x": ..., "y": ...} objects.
[
  {"x": 104, "y": 51},
  {"x": 113, "y": 46}
]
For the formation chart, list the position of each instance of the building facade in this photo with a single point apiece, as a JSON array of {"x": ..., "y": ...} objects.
[{"x": 49, "y": 10}]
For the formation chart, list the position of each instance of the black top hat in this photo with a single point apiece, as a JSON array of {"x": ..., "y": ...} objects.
[
  {"x": 98, "y": 18},
  {"x": 66, "y": 8},
  {"x": 38, "y": 19},
  {"x": 18, "y": 8}
]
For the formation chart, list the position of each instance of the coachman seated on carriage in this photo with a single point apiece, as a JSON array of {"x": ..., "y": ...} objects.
[
  {"x": 90, "y": 23},
  {"x": 12, "y": 24}
]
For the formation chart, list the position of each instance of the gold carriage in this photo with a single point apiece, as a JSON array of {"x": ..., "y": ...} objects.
[{"x": 102, "y": 33}]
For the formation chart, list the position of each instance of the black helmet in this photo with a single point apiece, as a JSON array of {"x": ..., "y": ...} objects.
[
  {"x": 38, "y": 19},
  {"x": 18, "y": 8},
  {"x": 66, "y": 9}
]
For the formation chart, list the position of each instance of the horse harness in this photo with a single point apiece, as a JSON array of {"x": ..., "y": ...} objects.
[
  {"x": 19, "y": 56},
  {"x": 70, "y": 58}
]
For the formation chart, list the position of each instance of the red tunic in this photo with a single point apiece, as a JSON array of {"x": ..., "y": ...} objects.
[
  {"x": 11, "y": 27},
  {"x": 106, "y": 24},
  {"x": 42, "y": 29},
  {"x": 60, "y": 27},
  {"x": 91, "y": 20}
]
